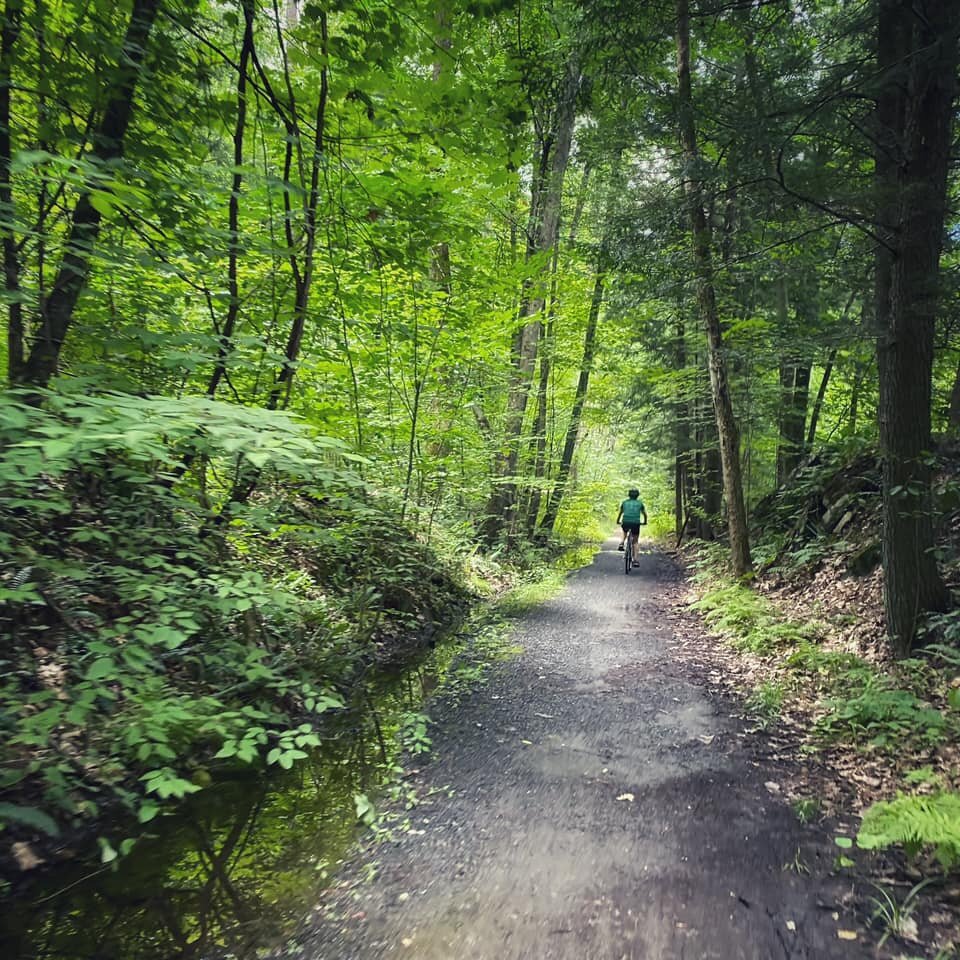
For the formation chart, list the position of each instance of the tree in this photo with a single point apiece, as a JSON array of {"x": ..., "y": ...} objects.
[
  {"x": 706, "y": 299},
  {"x": 917, "y": 63},
  {"x": 58, "y": 306}
]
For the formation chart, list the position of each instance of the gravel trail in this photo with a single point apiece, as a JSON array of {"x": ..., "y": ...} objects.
[{"x": 602, "y": 803}]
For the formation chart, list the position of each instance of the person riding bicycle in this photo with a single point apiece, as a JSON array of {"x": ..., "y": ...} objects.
[{"x": 631, "y": 510}]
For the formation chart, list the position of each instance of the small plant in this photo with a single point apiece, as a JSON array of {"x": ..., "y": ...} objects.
[
  {"x": 413, "y": 734},
  {"x": 915, "y": 822},
  {"x": 807, "y": 809},
  {"x": 765, "y": 702},
  {"x": 797, "y": 865},
  {"x": 897, "y": 916}
]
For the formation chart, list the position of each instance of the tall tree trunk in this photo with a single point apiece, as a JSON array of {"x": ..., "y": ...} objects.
[
  {"x": 795, "y": 396},
  {"x": 57, "y": 308},
  {"x": 579, "y": 400},
  {"x": 681, "y": 437},
  {"x": 818, "y": 403},
  {"x": 225, "y": 344},
  {"x": 543, "y": 227},
  {"x": 543, "y": 389},
  {"x": 706, "y": 299},
  {"x": 704, "y": 474},
  {"x": 9, "y": 33},
  {"x": 303, "y": 271},
  {"x": 589, "y": 345},
  {"x": 917, "y": 59},
  {"x": 786, "y": 394}
]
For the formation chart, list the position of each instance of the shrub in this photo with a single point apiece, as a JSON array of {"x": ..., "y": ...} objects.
[
  {"x": 882, "y": 716},
  {"x": 915, "y": 822}
]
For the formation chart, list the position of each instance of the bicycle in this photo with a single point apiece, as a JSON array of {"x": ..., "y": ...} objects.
[{"x": 630, "y": 552}]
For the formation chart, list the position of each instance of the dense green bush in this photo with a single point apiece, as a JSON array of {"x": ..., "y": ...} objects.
[{"x": 184, "y": 583}]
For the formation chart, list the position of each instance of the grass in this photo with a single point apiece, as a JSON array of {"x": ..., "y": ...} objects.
[{"x": 766, "y": 702}]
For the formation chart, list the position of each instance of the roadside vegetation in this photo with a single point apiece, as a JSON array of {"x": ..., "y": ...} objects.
[{"x": 882, "y": 734}]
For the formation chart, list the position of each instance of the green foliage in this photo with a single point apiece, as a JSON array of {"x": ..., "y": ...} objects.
[
  {"x": 159, "y": 624},
  {"x": 28, "y": 817},
  {"x": 879, "y": 715},
  {"x": 750, "y": 621},
  {"x": 916, "y": 822},
  {"x": 896, "y": 915},
  {"x": 807, "y": 809},
  {"x": 766, "y": 701}
]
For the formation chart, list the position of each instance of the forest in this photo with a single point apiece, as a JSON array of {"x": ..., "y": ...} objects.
[{"x": 325, "y": 319}]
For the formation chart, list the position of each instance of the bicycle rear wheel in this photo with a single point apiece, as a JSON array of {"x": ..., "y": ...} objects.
[{"x": 628, "y": 554}]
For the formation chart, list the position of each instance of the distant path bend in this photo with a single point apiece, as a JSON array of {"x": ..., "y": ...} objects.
[{"x": 604, "y": 806}]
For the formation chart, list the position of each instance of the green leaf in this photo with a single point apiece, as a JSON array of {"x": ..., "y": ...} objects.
[
  {"x": 102, "y": 203},
  {"x": 107, "y": 852},
  {"x": 30, "y": 817},
  {"x": 365, "y": 809},
  {"x": 102, "y": 669}
]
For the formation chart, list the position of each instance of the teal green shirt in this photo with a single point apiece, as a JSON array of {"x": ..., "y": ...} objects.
[{"x": 633, "y": 510}]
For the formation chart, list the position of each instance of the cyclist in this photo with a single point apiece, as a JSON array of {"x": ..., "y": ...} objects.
[{"x": 631, "y": 510}]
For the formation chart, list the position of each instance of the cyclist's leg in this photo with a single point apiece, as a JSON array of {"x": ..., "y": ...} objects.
[{"x": 623, "y": 535}]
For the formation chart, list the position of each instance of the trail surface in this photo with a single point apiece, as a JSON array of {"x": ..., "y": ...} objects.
[{"x": 604, "y": 805}]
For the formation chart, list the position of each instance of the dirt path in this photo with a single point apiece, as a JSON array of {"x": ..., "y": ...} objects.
[{"x": 603, "y": 806}]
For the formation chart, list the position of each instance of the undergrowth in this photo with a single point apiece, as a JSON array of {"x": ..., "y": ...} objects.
[
  {"x": 179, "y": 601},
  {"x": 897, "y": 711},
  {"x": 748, "y": 620}
]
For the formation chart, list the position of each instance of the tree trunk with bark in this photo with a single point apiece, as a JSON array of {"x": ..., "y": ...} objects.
[
  {"x": 543, "y": 227},
  {"x": 9, "y": 34},
  {"x": 818, "y": 402},
  {"x": 917, "y": 61},
  {"x": 57, "y": 309},
  {"x": 579, "y": 401},
  {"x": 707, "y": 304}
]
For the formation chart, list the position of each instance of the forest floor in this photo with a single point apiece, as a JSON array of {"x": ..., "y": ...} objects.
[{"x": 600, "y": 797}]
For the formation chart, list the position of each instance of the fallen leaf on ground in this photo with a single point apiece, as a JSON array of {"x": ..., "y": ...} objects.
[
  {"x": 626, "y": 796},
  {"x": 706, "y": 738},
  {"x": 25, "y": 857},
  {"x": 791, "y": 925},
  {"x": 847, "y": 934},
  {"x": 772, "y": 787}
]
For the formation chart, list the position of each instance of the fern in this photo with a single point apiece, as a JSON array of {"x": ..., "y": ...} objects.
[
  {"x": 750, "y": 621},
  {"x": 882, "y": 717},
  {"x": 915, "y": 822}
]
